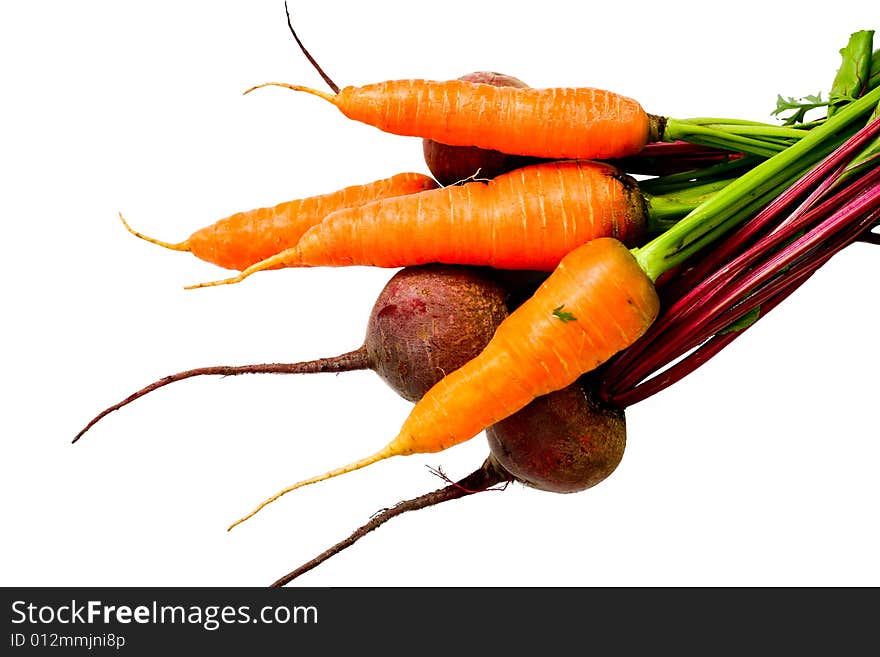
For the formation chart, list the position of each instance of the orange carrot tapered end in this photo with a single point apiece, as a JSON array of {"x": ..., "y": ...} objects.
[
  {"x": 286, "y": 258},
  {"x": 381, "y": 455},
  {"x": 295, "y": 87},
  {"x": 178, "y": 246}
]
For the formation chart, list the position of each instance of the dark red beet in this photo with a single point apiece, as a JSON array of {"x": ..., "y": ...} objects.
[
  {"x": 453, "y": 164},
  {"x": 430, "y": 320},
  {"x": 562, "y": 442},
  {"x": 427, "y": 321}
]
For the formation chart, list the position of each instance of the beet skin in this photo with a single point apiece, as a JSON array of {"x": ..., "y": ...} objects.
[
  {"x": 429, "y": 320},
  {"x": 562, "y": 442}
]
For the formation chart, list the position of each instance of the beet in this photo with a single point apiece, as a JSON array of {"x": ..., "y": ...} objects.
[
  {"x": 430, "y": 320},
  {"x": 562, "y": 442},
  {"x": 427, "y": 321},
  {"x": 453, "y": 164}
]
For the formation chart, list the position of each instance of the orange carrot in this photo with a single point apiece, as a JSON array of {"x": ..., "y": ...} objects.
[
  {"x": 597, "y": 302},
  {"x": 579, "y": 122},
  {"x": 244, "y": 238},
  {"x": 525, "y": 219}
]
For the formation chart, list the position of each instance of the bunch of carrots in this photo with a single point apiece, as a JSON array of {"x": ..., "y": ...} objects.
[{"x": 645, "y": 279}]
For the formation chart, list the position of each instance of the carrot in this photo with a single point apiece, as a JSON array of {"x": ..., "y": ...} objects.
[
  {"x": 548, "y": 123},
  {"x": 244, "y": 238},
  {"x": 563, "y": 122},
  {"x": 595, "y": 303},
  {"x": 551, "y": 123},
  {"x": 525, "y": 219},
  {"x": 599, "y": 300},
  {"x": 554, "y": 123}
]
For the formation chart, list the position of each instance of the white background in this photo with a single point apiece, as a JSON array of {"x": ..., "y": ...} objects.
[{"x": 760, "y": 469}]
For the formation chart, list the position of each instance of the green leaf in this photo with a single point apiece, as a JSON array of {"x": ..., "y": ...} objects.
[
  {"x": 852, "y": 77},
  {"x": 799, "y": 106},
  {"x": 874, "y": 80},
  {"x": 743, "y": 322},
  {"x": 563, "y": 315}
]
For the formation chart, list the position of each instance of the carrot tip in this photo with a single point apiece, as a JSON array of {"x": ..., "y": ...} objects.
[
  {"x": 351, "y": 467},
  {"x": 178, "y": 246},
  {"x": 225, "y": 281},
  {"x": 284, "y": 258},
  {"x": 295, "y": 87}
]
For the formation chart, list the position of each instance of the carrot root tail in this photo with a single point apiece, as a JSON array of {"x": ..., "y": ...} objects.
[
  {"x": 351, "y": 467},
  {"x": 278, "y": 260},
  {"x": 174, "y": 246},
  {"x": 296, "y": 87}
]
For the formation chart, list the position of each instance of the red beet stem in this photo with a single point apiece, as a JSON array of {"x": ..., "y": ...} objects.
[
  {"x": 665, "y": 158},
  {"x": 833, "y": 214}
]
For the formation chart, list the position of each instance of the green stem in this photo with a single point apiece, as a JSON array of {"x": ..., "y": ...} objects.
[
  {"x": 686, "y": 179},
  {"x": 870, "y": 154},
  {"x": 745, "y": 127},
  {"x": 724, "y": 210},
  {"x": 667, "y": 208},
  {"x": 870, "y": 157},
  {"x": 713, "y": 120},
  {"x": 749, "y": 207},
  {"x": 682, "y": 129}
]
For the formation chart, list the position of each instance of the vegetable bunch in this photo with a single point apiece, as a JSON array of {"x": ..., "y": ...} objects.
[{"x": 631, "y": 248}]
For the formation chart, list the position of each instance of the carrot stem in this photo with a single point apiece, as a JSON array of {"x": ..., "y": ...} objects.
[
  {"x": 717, "y": 137},
  {"x": 756, "y": 127},
  {"x": 723, "y": 211},
  {"x": 685, "y": 179},
  {"x": 668, "y": 207}
]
